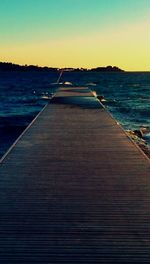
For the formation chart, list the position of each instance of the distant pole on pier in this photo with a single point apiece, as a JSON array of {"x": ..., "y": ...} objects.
[{"x": 58, "y": 80}]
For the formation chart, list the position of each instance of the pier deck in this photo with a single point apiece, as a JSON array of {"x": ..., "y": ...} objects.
[{"x": 74, "y": 189}]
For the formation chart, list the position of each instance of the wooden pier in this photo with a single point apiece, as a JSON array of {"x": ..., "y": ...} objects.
[{"x": 74, "y": 188}]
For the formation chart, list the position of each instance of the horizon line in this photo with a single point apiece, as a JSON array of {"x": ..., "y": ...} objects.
[{"x": 80, "y": 68}]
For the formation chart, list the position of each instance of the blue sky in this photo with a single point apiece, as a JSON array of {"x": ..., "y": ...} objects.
[{"x": 24, "y": 22}]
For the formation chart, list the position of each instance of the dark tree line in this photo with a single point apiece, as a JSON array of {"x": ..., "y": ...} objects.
[
  {"x": 8, "y": 66},
  {"x": 108, "y": 69}
]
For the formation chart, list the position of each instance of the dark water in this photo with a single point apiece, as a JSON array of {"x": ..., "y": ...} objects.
[{"x": 23, "y": 96}]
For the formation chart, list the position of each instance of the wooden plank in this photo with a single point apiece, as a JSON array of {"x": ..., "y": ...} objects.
[
  {"x": 74, "y": 189},
  {"x": 74, "y": 91}
]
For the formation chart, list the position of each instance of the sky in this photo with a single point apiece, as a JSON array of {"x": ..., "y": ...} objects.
[{"x": 76, "y": 33}]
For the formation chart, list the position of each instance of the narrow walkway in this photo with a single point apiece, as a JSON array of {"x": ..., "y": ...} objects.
[{"x": 74, "y": 189}]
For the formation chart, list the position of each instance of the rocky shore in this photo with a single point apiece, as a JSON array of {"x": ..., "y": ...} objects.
[{"x": 139, "y": 137}]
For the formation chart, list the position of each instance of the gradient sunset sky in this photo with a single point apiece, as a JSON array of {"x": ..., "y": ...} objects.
[{"x": 76, "y": 33}]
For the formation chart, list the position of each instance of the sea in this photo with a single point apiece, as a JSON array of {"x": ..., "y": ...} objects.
[{"x": 23, "y": 94}]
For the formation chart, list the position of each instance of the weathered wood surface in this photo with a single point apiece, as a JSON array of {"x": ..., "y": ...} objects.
[{"x": 74, "y": 189}]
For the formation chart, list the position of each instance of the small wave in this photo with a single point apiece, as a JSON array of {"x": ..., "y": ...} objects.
[
  {"x": 91, "y": 84},
  {"x": 68, "y": 83},
  {"x": 136, "y": 85}
]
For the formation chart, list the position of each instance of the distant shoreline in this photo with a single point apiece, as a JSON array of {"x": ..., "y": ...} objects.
[{"x": 8, "y": 66}]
